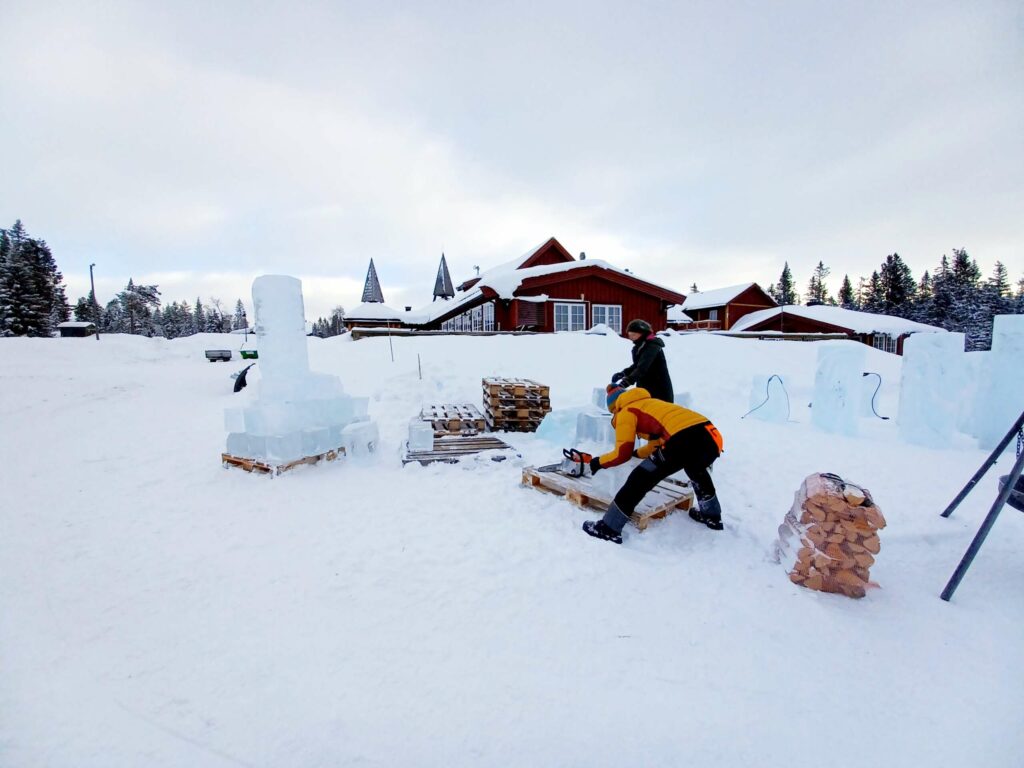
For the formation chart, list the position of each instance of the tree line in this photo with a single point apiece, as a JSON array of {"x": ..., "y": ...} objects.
[
  {"x": 136, "y": 310},
  {"x": 953, "y": 296},
  {"x": 33, "y": 299}
]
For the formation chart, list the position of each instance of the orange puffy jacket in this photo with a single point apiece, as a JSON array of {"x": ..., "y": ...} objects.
[{"x": 637, "y": 414}]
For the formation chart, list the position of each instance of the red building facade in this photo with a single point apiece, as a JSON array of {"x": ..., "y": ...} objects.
[{"x": 549, "y": 290}]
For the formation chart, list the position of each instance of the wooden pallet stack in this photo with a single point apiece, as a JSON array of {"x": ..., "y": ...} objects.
[
  {"x": 515, "y": 405},
  {"x": 833, "y": 528},
  {"x": 454, "y": 419}
]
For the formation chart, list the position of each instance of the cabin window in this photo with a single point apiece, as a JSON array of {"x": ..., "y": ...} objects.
[
  {"x": 884, "y": 342},
  {"x": 569, "y": 317},
  {"x": 712, "y": 314},
  {"x": 609, "y": 314},
  {"x": 477, "y": 319}
]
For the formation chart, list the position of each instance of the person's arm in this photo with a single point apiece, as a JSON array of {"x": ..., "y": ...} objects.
[
  {"x": 647, "y": 449},
  {"x": 623, "y": 375},
  {"x": 648, "y": 354}
]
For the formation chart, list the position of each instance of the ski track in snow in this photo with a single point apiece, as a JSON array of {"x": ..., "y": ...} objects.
[{"x": 158, "y": 610}]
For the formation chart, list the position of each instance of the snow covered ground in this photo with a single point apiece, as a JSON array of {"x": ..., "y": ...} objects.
[{"x": 158, "y": 610}]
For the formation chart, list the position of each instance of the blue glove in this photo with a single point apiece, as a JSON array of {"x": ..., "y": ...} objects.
[{"x": 617, "y": 377}]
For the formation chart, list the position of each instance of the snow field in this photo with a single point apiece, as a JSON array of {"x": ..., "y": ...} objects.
[{"x": 158, "y": 610}]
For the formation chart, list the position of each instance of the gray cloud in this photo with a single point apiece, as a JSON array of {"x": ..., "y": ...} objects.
[{"x": 690, "y": 142}]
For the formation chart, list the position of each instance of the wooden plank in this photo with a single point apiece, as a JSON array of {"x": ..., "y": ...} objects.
[
  {"x": 450, "y": 448},
  {"x": 664, "y": 499}
]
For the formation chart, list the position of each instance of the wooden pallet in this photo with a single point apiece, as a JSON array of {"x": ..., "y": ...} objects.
[
  {"x": 264, "y": 468},
  {"x": 500, "y": 386},
  {"x": 512, "y": 425},
  {"x": 451, "y": 448},
  {"x": 454, "y": 419},
  {"x": 666, "y": 497}
]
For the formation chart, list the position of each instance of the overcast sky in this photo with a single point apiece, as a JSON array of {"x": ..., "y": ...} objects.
[{"x": 198, "y": 145}]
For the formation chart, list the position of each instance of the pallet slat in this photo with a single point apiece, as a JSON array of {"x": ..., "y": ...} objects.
[{"x": 666, "y": 497}]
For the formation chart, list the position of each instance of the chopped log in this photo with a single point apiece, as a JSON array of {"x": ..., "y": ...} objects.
[
  {"x": 854, "y": 494},
  {"x": 872, "y": 545}
]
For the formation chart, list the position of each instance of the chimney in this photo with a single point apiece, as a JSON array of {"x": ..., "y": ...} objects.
[
  {"x": 408, "y": 309},
  {"x": 583, "y": 256}
]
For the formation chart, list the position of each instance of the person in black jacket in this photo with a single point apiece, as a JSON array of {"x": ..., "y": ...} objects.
[{"x": 649, "y": 369}]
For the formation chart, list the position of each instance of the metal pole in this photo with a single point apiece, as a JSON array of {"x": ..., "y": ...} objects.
[
  {"x": 979, "y": 538},
  {"x": 985, "y": 467},
  {"x": 95, "y": 303}
]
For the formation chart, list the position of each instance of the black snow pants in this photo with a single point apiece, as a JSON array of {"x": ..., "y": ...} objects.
[{"x": 692, "y": 450}]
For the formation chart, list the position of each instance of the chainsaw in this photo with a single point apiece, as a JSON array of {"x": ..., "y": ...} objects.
[{"x": 573, "y": 464}]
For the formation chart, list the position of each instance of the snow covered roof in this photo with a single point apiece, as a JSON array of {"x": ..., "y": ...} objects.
[
  {"x": 506, "y": 279},
  {"x": 676, "y": 315},
  {"x": 76, "y": 324},
  {"x": 716, "y": 298},
  {"x": 858, "y": 322},
  {"x": 373, "y": 311}
]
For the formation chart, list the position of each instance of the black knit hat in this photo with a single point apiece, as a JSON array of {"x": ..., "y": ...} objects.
[{"x": 639, "y": 326}]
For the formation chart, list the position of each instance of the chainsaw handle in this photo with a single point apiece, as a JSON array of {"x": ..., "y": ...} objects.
[{"x": 573, "y": 454}]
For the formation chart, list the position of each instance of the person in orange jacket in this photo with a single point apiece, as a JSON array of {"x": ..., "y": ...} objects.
[{"x": 678, "y": 439}]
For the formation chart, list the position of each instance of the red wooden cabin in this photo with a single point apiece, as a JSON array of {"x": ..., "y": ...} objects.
[
  {"x": 548, "y": 290},
  {"x": 719, "y": 309}
]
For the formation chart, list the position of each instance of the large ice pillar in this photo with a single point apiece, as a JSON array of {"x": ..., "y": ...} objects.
[
  {"x": 837, "y": 387},
  {"x": 1002, "y": 389},
  {"x": 932, "y": 386},
  {"x": 294, "y": 413}
]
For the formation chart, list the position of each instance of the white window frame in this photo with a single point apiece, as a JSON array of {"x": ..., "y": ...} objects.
[
  {"x": 884, "y": 342},
  {"x": 712, "y": 314},
  {"x": 489, "y": 316},
  {"x": 599, "y": 313},
  {"x": 575, "y": 316}
]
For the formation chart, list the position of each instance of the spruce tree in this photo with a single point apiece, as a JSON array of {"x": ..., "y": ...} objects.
[
  {"x": 6, "y": 300},
  {"x": 32, "y": 295},
  {"x": 240, "y": 320},
  {"x": 898, "y": 287},
  {"x": 817, "y": 290},
  {"x": 198, "y": 318},
  {"x": 785, "y": 293},
  {"x": 1000, "y": 280},
  {"x": 137, "y": 305},
  {"x": 113, "y": 318},
  {"x": 873, "y": 295},
  {"x": 847, "y": 299}
]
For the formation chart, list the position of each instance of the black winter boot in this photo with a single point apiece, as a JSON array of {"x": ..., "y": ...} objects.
[
  {"x": 601, "y": 531},
  {"x": 710, "y": 513}
]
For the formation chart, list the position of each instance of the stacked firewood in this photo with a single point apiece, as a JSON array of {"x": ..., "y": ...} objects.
[{"x": 829, "y": 538}]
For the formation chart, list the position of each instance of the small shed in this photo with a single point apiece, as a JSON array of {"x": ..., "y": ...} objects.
[
  {"x": 883, "y": 332},
  {"x": 720, "y": 309},
  {"x": 76, "y": 328}
]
